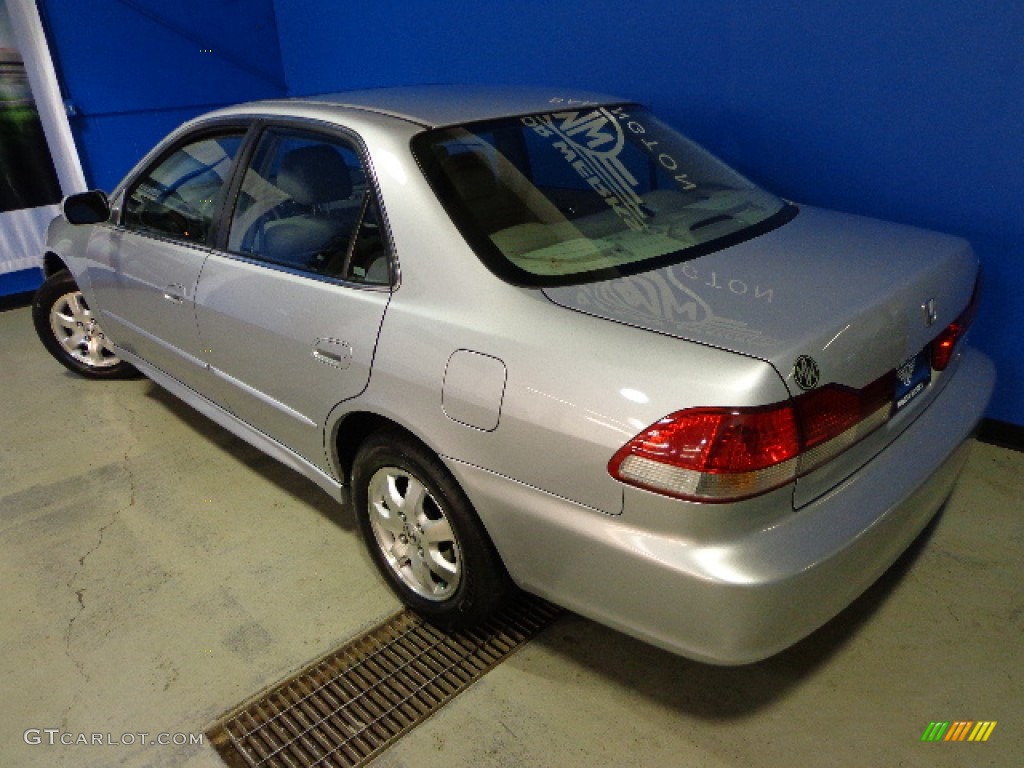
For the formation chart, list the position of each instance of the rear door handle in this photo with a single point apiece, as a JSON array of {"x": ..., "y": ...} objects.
[
  {"x": 333, "y": 352},
  {"x": 175, "y": 293}
]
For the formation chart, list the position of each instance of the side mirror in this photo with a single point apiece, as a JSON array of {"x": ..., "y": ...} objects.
[{"x": 86, "y": 207}]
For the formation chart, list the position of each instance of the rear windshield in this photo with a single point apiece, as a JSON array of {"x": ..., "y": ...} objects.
[{"x": 587, "y": 194}]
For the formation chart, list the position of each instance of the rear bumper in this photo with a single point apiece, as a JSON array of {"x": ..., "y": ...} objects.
[{"x": 737, "y": 600}]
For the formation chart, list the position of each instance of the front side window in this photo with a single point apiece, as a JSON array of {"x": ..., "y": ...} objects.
[
  {"x": 305, "y": 204},
  {"x": 177, "y": 197},
  {"x": 588, "y": 194}
]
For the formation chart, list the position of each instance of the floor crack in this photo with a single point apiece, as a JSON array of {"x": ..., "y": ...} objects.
[{"x": 80, "y": 592}]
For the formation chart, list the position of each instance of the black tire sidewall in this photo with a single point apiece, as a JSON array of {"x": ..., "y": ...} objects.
[{"x": 483, "y": 583}]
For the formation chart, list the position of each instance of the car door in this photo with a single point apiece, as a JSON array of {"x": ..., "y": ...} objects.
[
  {"x": 144, "y": 271},
  {"x": 290, "y": 310}
]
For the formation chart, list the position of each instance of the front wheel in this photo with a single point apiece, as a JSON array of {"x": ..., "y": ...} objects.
[
  {"x": 71, "y": 333},
  {"x": 424, "y": 535}
]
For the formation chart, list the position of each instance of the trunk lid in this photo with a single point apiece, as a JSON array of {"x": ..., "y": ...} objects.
[{"x": 847, "y": 291}]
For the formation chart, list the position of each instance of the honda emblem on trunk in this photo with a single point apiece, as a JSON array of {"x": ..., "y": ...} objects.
[{"x": 931, "y": 314}]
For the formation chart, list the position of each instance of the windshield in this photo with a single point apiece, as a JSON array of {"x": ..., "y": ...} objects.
[{"x": 589, "y": 194}]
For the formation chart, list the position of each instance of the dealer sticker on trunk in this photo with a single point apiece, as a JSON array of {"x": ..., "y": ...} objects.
[{"x": 912, "y": 378}]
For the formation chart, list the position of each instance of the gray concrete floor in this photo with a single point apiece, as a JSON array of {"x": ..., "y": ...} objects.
[{"x": 157, "y": 571}]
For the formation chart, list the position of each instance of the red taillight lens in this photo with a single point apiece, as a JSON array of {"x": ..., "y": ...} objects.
[
  {"x": 827, "y": 412},
  {"x": 727, "y": 454},
  {"x": 945, "y": 343},
  {"x": 712, "y": 454},
  {"x": 717, "y": 439},
  {"x": 834, "y": 418}
]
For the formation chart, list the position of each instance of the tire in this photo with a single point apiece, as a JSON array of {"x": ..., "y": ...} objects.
[
  {"x": 424, "y": 535},
  {"x": 69, "y": 331}
]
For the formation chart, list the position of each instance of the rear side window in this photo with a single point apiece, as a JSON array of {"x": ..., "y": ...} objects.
[
  {"x": 305, "y": 204},
  {"x": 588, "y": 194},
  {"x": 178, "y": 196}
]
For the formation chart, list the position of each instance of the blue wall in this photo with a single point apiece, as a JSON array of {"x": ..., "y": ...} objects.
[
  {"x": 135, "y": 69},
  {"x": 910, "y": 110}
]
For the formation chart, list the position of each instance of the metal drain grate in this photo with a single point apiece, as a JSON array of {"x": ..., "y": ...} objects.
[{"x": 345, "y": 709}]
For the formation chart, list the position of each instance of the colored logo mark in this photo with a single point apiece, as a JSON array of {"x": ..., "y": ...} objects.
[{"x": 959, "y": 730}]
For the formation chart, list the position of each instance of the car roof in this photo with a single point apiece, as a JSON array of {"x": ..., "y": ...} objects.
[{"x": 438, "y": 105}]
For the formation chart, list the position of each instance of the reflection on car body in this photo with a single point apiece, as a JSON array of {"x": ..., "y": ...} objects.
[{"x": 543, "y": 342}]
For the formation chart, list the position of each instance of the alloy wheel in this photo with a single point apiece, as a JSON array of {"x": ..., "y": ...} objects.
[
  {"x": 76, "y": 329},
  {"x": 414, "y": 533}
]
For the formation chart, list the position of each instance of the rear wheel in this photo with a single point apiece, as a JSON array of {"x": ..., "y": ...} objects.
[
  {"x": 424, "y": 535},
  {"x": 70, "y": 332}
]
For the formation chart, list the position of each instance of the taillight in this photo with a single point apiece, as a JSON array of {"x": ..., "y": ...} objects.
[
  {"x": 727, "y": 454},
  {"x": 833, "y": 418},
  {"x": 945, "y": 343},
  {"x": 712, "y": 454}
]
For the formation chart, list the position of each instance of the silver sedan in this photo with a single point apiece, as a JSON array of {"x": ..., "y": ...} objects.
[{"x": 540, "y": 340}]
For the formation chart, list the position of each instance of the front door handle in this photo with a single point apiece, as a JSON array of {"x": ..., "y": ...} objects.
[
  {"x": 175, "y": 293},
  {"x": 333, "y": 352}
]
